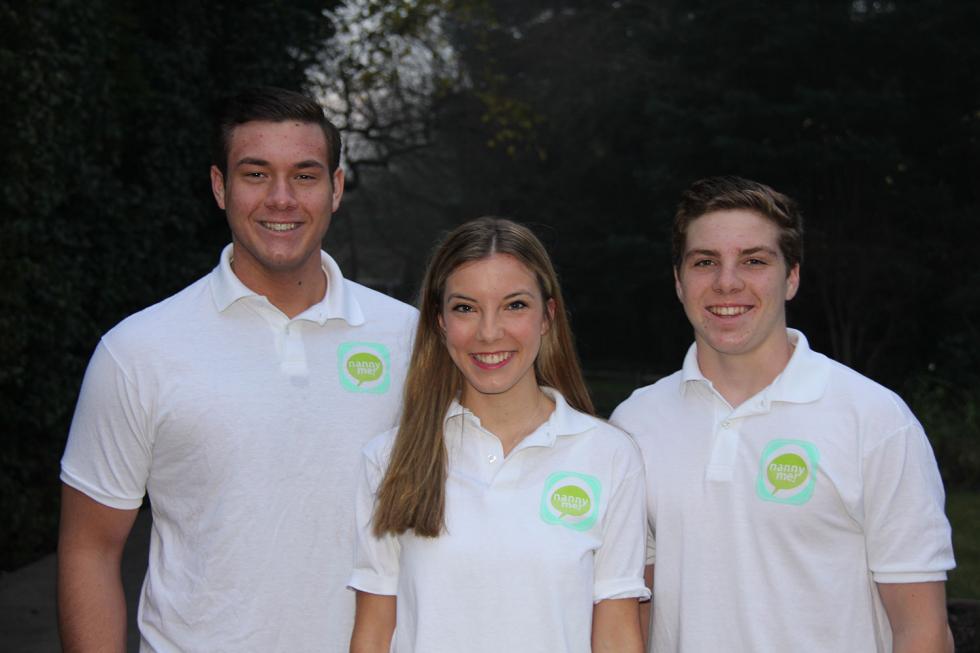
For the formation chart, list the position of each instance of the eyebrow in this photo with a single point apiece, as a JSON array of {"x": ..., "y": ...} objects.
[
  {"x": 517, "y": 293},
  {"x": 309, "y": 163},
  {"x": 302, "y": 165},
  {"x": 749, "y": 251}
]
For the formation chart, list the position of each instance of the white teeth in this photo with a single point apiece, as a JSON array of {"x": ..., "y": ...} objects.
[
  {"x": 280, "y": 226},
  {"x": 728, "y": 310},
  {"x": 492, "y": 359}
]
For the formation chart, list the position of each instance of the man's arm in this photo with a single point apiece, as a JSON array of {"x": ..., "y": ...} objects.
[
  {"x": 91, "y": 603},
  {"x": 374, "y": 623},
  {"x": 917, "y": 613}
]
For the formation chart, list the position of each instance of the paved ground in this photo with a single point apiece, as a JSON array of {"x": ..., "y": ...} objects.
[{"x": 28, "y": 622}]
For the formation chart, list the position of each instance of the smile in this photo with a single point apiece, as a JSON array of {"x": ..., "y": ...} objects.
[
  {"x": 280, "y": 226},
  {"x": 492, "y": 360},
  {"x": 728, "y": 311}
]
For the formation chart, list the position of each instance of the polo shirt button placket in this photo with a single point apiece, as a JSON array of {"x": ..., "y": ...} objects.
[
  {"x": 293, "y": 360},
  {"x": 723, "y": 453}
]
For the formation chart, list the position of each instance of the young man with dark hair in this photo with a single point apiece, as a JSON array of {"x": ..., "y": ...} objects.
[
  {"x": 793, "y": 503},
  {"x": 240, "y": 406}
]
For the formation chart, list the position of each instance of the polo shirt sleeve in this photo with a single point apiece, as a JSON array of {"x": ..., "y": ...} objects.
[
  {"x": 109, "y": 446},
  {"x": 375, "y": 558},
  {"x": 625, "y": 418},
  {"x": 907, "y": 533},
  {"x": 620, "y": 558}
]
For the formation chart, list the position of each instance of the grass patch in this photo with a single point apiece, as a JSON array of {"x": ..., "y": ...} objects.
[{"x": 963, "y": 508}]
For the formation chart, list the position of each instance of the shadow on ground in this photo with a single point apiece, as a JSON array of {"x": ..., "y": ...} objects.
[{"x": 28, "y": 616}]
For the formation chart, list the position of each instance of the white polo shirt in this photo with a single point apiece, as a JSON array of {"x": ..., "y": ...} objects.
[
  {"x": 245, "y": 427},
  {"x": 774, "y": 520},
  {"x": 532, "y": 539}
]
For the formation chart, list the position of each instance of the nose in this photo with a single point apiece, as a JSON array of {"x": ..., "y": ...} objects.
[
  {"x": 727, "y": 278},
  {"x": 281, "y": 195},
  {"x": 489, "y": 329}
]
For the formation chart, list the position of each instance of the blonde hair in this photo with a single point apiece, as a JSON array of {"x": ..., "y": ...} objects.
[{"x": 412, "y": 495}]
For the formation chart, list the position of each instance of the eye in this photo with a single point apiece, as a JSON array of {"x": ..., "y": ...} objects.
[
  {"x": 305, "y": 177},
  {"x": 756, "y": 261},
  {"x": 461, "y": 308},
  {"x": 516, "y": 305},
  {"x": 703, "y": 263}
]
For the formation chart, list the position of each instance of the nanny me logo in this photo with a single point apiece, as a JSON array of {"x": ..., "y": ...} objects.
[
  {"x": 571, "y": 499},
  {"x": 364, "y": 367},
  {"x": 787, "y": 472}
]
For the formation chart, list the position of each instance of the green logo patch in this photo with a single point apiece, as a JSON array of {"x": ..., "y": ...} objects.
[
  {"x": 364, "y": 367},
  {"x": 787, "y": 472},
  {"x": 571, "y": 499}
]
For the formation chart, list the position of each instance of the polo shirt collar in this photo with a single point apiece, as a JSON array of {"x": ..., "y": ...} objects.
[
  {"x": 803, "y": 380},
  {"x": 563, "y": 421},
  {"x": 338, "y": 303},
  {"x": 691, "y": 371}
]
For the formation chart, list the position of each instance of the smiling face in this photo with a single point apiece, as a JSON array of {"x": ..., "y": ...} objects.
[
  {"x": 493, "y": 317},
  {"x": 734, "y": 285},
  {"x": 278, "y": 195}
]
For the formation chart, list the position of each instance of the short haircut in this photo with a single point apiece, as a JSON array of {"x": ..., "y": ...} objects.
[
  {"x": 730, "y": 193},
  {"x": 269, "y": 104}
]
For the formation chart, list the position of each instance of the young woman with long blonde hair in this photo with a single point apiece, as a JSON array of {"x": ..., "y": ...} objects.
[{"x": 500, "y": 516}]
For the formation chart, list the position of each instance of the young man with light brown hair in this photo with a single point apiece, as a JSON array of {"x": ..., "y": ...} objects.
[{"x": 793, "y": 503}]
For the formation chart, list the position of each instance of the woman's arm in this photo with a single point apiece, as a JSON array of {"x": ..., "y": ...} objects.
[
  {"x": 374, "y": 623},
  {"x": 616, "y": 627},
  {"x": 646, "y": 607}
]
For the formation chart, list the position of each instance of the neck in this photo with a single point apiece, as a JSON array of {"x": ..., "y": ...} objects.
[
  {"x": 511, "y": 416},
  {"x": 291, "y": 291},
  {"x": 740, "y": 377}
]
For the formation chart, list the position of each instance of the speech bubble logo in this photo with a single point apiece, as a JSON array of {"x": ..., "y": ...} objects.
[
  {"x": 571, "y": 500},
  {"x": 364, "y": 367},
  {"x": 787, "y": 472}
]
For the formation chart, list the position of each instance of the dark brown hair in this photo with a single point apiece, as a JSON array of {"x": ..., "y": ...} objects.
[{"x": 269, "y": 104}]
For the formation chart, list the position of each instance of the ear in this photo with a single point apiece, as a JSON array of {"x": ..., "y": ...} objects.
[
  {"x": 442, "y": 323},
  {"x": 338, "y": 188},
  {"x": 218, "y": 186},
  {"x": 792, "y": 282},
  {"x": 677, "y": 285},
  {"x": 549, "y": 316}
]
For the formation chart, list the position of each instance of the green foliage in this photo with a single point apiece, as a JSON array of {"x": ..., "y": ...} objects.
[
  {"x": 106, "y": 205},
  {"x": 951, "y": 416},
  {"x": 586, "y": 119},
  {"x": 865, "y": 112},
  {"x": 963, "y": 509}
]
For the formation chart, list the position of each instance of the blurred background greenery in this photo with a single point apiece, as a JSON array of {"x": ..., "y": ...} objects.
[{"x": 585, "y": 119}]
